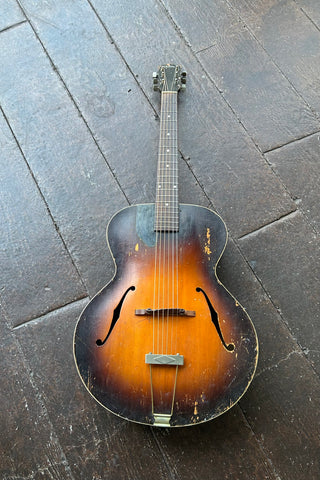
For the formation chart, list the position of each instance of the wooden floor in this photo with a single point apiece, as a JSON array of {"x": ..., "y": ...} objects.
[{"x": 79, "y": 134}]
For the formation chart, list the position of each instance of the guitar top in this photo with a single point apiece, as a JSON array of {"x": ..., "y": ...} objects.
[{"x": 164, "y": 343}]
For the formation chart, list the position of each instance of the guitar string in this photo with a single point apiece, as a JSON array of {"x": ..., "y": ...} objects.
[
  {"x": 168, "y": 212},
  {"x": 166, "y": 227},
  {"x": 166, "y": 223},
  {"x": 162, "y": 200},
  {"x": 172, "y": 207},
  {"x": 157, "y": 264},
  {"x": 176, "y": 200}
]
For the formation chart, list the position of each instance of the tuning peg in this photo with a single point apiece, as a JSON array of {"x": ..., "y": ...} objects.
[
  {"x": 183, "y": 87},
  {"x": 183, "y": 74},
  {"x": 156, "y": 87},
  {"x": 155, "y": 75}
]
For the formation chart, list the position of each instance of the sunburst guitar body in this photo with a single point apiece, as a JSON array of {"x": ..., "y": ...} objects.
[{"x": 165, "y": 343}]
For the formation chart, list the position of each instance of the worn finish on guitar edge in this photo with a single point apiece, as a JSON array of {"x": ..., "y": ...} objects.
[{"x": 218, "y": 344}]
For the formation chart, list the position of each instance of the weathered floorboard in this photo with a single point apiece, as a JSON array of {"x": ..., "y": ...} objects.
[
  {"x": 286, "y": 257},
  {"x": 29, "y": 448},
  {"x": 263, "y": 99},
  {"x": 290, "y": 38},
  {"x": 121, "y": 120},
  {"x": 298, "y": 166},
  {"x": 225, "y": 448},
  {"x": 37, "y": 274},
  {"x": 284, "y": 412},
  {"x": 71, "y": 172}
]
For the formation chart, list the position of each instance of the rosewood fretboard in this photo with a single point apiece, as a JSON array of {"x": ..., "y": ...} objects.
[{"x": 167, "y": 206}]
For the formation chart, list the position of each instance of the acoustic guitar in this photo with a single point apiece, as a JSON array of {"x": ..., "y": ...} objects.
[{"x": 165, "y": 343}]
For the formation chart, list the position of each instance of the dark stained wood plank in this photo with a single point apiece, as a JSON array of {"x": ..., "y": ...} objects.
[
  {"x": 123, "y": 123},
  {"x": 11, "y": 14},
  {"x": 97, "y": 444},
  {"x": 29, "y": 448},
  {"x": 286, "y": 257},
  {"x": 284, "y": 413},
  {"x": 298, "y": 166},
  {"x": 37, "y": 274},
  {"x": 275, "y": 340},
  {"x": 71, "y": 172},
  {"x": 290, "y": 38},
  {"x": 261, "y": 96},
  {"x": 221, "y": 449}
]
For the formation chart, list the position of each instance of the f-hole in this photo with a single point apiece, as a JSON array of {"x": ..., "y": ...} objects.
[
  {"x": 116, "y": 315},
  {"x": 215, "y": 321}
]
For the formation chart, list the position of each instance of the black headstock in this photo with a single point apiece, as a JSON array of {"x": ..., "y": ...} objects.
[{"x": 169, "y": 78}]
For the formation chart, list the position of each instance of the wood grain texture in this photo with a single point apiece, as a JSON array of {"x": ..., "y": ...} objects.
[
  {"x": 29, "y": 447},
  {"x": 263, "y": 99},
  {"x": 291, "y": 40},
  {"x": 225, "y": 153},
  {"x": 201, "y": 452},
  {"x": 37, "y": 271},
  {"x": 298, "y": 167},
  {"x": 272, "y": 254},
  {"x": 66, "y": 162},
  {"x": 122, "y": 122},
  {"x": 289, "y": 396}
]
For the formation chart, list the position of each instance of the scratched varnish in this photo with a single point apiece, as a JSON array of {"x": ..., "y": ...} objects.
[{"x": 79, "y": 133}]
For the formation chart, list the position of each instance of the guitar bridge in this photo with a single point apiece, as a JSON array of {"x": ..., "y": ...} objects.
[{"x": 174, "y": 312}]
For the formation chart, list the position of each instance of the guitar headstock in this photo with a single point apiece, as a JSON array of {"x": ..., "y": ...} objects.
[{"x": 169, "y": 78}]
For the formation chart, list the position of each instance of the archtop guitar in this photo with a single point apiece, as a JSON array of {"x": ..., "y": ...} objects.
[{"x": 165, "y": 343}]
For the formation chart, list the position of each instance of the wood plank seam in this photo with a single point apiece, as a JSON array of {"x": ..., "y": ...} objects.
[
  {"x": 300, "y": 348},
  {"x": 14, "y": 25},
  {"x": 275, "y": 63},
  {"x": 262, "y": 449},
  {"x": 116, "y": 46},
  {"x": 306, "y": 14},
  {"x": 44, "y": 200},
  {"x": 171, "y": 476},
  {"x": 56, "y": 70},
  {"x": 269, "y": 224},
  {"x": 292, "y": 141},
  {"x": 41, "y": 402},
  {"x": 31, "y": 321},
  {"x": 176, "y": 27}
]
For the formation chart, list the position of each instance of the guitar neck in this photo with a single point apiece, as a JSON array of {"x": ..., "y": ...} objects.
[{"x": 167, "y": 204}]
